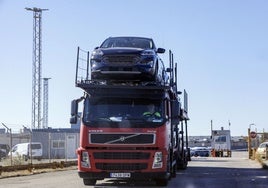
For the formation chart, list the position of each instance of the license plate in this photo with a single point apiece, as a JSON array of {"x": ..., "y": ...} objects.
[{"x": 120, "y": 175}]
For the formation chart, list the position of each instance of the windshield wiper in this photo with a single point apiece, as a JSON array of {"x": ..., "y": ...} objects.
[
  {"x": 104, "y": 119},
  {"x": 112, "y": 119}
]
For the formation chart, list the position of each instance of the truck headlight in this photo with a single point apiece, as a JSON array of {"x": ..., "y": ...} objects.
[
  {"x": 158, "y": 160},
  {"x": 85, "y": 160}
]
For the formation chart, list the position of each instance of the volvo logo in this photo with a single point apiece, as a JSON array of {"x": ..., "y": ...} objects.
[{"x": 122, "y": 138}]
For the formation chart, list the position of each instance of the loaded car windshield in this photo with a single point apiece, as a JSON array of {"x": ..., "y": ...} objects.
[
  {"x": 132, "y": 42},
  {"x": 110, "y": 112}
]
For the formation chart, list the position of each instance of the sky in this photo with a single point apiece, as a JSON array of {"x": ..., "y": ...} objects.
[{"x": 220, "y": 47}]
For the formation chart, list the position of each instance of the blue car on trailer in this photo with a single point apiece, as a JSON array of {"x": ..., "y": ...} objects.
[{"x": 128, "y": 58}]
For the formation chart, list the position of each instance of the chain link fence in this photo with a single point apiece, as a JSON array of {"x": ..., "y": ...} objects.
[{"x": 38, "y": 146}]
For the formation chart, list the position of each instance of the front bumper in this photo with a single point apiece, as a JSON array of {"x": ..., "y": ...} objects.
[{"x": 134, "y": 175}]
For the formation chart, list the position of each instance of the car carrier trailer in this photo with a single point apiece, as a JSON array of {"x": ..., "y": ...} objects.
[{"x": 117, "y": 140}]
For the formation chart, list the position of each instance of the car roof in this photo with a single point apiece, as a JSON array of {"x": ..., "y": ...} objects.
[
  {"x": 25, "y": 143},
  {"x": 130, "y": 37}
]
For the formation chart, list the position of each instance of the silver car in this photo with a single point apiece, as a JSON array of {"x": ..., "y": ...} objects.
[{"x": 262, "y": 150}]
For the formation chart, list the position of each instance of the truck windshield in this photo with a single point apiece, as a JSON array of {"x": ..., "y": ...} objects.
[{"x": 122, "y": 112}]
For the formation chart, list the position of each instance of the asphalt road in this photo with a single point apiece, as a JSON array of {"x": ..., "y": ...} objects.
[{"x": 204, "y": 172}]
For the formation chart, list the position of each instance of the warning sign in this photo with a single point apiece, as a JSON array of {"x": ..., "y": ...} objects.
[{"x": 253, "y": 134}]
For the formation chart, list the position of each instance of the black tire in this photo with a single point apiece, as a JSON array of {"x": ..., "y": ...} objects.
[
  {"x": 182, "y": 163},
  {"x": 25, "y": 157},
  {"x": 184, "y": 166},
  {"x": 174, "y": 171},
  {"x": 89, "y": 181},
  {"x": 161, "y": 182}
]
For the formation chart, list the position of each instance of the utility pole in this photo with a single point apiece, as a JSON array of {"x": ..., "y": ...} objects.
[
  {"x": 45, "y": 103},
  {"x": 37, "y": 66}
]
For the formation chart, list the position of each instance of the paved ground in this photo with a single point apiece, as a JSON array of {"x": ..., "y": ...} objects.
[{"x": 205, "y": 172}]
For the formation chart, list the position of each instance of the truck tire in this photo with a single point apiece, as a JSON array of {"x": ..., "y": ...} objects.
[
  {"x": 182, "y": 163},
  {"x": 161, "y": 182},
  {"x": 174, "y": 171},
  {"x": 89, "y": 181}
]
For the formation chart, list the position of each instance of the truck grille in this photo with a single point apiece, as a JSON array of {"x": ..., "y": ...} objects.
[
  {"x": 131, "y": 138},
  {"x": 121, "y": 155},
  {"x": 123, "y": 60},
  {"x": 121, "y": 166}
]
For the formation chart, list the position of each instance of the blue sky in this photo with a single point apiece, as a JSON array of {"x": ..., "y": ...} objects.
[{"x": 220, "y": 47}]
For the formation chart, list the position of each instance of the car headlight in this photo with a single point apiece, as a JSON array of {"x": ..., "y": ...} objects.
[
  {"x": 148, "y": 52},
  {"x": 97, "y": 54}
]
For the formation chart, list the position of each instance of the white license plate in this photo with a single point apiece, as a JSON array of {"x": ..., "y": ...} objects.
[{"x": 120, "y": 175}]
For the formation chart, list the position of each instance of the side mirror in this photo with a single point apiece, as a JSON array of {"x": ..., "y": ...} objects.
[
  {"x": 169, "y": 70},
  {"x": 74, "y": 108},
  {"x": 73, "y": 120},
  {"x": 175, "y": 111},
  {"x": 160, "y": 50},
  {"x": 74, "y": 112}
]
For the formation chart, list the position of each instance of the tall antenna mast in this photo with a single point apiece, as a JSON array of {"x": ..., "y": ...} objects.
[
  {"x": 37, "y": 65},
  {"x": 45, "y": 103}
]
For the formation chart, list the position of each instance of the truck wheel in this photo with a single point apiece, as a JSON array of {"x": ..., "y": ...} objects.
[
  {"x": 161, "y": 182},
  {"x": 182, "y": 164},
  {"x": 174, "y": 171},
  {"x": 89, "y": 181}
]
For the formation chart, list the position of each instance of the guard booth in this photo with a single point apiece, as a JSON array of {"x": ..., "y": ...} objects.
[{"x": 221, "y": 143}]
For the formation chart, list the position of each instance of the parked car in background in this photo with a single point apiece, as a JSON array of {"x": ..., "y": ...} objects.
[
  {"x": 200, "y": 151},
  {"x": 27, "y": 150},
  {"x": 4, "y": 149},
  {"x": 261, "y": 150},
  {"x": 128, "y": 58}
]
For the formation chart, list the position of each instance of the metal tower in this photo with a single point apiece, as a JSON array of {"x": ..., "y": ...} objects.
[
  {"x": 37, "y": 65},
  {"x": 45, "y": 103}
]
